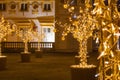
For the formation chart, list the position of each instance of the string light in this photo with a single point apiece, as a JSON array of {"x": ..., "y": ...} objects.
[
  {"x": 39, "y": 37},
  {"x": 5, "y": 29},
  {"x": 104, "y": 22},
  {"x": 106, "y": 15},
  {"x": 81, "y": 25},
  {"x": 26, "y": 34}
]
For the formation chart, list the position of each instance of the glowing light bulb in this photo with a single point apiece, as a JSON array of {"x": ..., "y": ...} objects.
[
  {"x": 63, "y": 38},
  {"x": 112, "y": 54},
  {"x": 72, "y": 8},
  {"x": 100, "y": 11},
  {"x": 97, "y": 40},
  {"x": 102, "y": 54},
  {"x": 65, "y": 6},
  {"x": 103, "y": 23},
  {"x": 106, "y": 62}
]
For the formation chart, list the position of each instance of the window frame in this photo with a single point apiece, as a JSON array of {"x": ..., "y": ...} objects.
[
  {"x": 47, "y": 7},
  {"x": 25, "y": 7},
  {"x": 3, "y": 7}
]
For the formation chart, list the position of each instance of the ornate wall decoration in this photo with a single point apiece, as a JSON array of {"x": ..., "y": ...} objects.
[
  {"x": 12, "y": 7},
  {"x": 35, "y": 6}
]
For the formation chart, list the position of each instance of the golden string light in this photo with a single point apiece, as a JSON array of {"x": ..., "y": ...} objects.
[
  {"x": 5, "y": 29},
  {"x": 26, "y": 34},
  {"x": 39, "y": 37},
  {"x": 104, "y": 21},
  {"x": 107, "y": 16},
  {"x": 81, "y": 24}
]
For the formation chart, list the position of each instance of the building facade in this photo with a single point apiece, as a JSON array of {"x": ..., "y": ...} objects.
[
  {"x": 42, "y": 13},
  {"x": 24, "y": 13}
]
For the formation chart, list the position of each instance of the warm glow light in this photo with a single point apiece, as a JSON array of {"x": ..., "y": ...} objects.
[
  {"x": 99, "y": 11},
  {"x": 65, "y": 6},
  {"x": 81, "y": 26},
  {"x": 26, "y": 35},
  {"x": 63, "y": 38},
  {"x": 72, "y": 8},
  {"x": 107, "y": 15},
  {"x": 103, "y": 23},
  {"x": 106, "y": 62},
  {"x": 97, "y": 40},
  {"x": 104, "y": 17},
  {"x": 102, "y": 54},
  {"x": 5, "y": 29},
  {"x": 112, "y": 54}
]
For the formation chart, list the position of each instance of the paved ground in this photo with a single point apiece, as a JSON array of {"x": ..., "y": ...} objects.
[{"x": 52, "y": 66}]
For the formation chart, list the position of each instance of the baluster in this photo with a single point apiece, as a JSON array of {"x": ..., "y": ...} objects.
[
  {"x": 44, "y": 45},
  {"x": 48, "y": 45},
  {"x": 40, "y": 45},
  {"x": 14, "y": 46},
  {"x": 51, "y": 45},
  {"x": 9, "y": 45}
]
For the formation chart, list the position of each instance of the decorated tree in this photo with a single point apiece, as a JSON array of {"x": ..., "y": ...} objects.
[
  {"x": 39, "y": 37},
  {"x": 81, "y": 24},
  {"x": 26, "y": 35},
  {"x": 5, "y": 29}
]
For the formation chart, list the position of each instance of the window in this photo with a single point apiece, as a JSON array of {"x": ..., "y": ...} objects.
[
  {"x": 47, "y": 7},
  {"x": 2, "y": 6},
  {"x": 49, "y": 34},
  {"x": 48, "y": 30},
  {"x": 44, "y": 30},
  {"x": 24, "y": 7}
]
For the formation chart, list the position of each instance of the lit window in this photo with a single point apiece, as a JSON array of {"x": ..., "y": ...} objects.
[{"x": 2, "y": 6}]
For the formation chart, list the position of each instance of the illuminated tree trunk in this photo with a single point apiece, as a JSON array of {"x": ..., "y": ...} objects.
[
  {"x": 26, "y": 47},
  {"x": 83, "y": 52}
]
